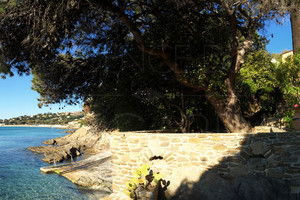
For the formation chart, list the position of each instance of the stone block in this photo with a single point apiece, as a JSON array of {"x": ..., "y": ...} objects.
[
  {"x": 135, "y": 155},
  {"x": 134, "y": 141},
  {"x": 164, "y": 144},
  {"x": 114, "y": 144},
  {"x": 216, "y": 138},
  {"x": 201, "y": 148},
  {"x": 136, "y": 149},
  {"x": 169, "y": 159},
  {"x": 187, "y": 147},
  {"x": 257, "y": 164},
  {"x": 267, "y": 153},
  {"x": 175, "y": 140},
  {"x": 167, "y": 154},
  {"x": 195, "y": 140},
  {"x": 234, "y": 159},
  {"x": 193, "y": 154},
  {"x": 257, "y": 148},
  {"x": 202, "y": 136},
  {"x": 182, "y": 159},
  {"x": 125, "y": 158},
  {"x": 219, "y": 147},
  {"x": 276, "y": 172}
]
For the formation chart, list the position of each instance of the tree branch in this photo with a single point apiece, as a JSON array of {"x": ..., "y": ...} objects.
[
  {"x": 164, "y": 53},
  {"x": 130, "y": 25}
]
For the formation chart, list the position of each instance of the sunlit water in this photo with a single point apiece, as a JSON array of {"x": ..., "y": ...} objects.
[{"x": 20, "y": 176}]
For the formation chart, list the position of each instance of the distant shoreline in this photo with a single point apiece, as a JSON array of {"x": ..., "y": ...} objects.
[{"x": 39, "y": 125}]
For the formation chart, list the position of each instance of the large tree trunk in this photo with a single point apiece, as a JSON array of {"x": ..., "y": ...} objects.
[
  {"x": 229, "y": 113},
  {"x": 295, "y": 24},
  {"x": 228, "y": 109}
]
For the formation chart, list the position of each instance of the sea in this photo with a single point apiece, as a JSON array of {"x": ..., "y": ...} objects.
[{"x": 20, "y": 176}]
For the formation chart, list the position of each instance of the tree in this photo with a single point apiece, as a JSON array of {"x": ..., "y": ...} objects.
[
  {"x": 258, "y": 84},
  {"x": 295, "y": 23},
  {"x": 288, "y": 75},
  {"x": 43, "y": 35}
]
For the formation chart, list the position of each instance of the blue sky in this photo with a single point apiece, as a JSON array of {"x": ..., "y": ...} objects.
[
  {"x": 282, "y": 36},
  {"x": 18, "y": 99}
]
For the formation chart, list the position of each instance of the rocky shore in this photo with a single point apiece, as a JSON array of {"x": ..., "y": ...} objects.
[
  {"x": 83, "y": 141},
  {"x": 94, "y": 171}
]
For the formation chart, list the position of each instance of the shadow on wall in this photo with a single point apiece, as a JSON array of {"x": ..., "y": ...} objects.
[{"x": 267, "y": 167}]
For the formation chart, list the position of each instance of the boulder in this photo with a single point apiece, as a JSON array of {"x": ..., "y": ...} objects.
[
  {"x": 72, "y": 145},
  {"x": 55, "y": 154}
]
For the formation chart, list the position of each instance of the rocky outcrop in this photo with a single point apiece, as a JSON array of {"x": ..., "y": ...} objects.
[
  {"x": 55, "y": 154},
  {"x": 84, "y": 140},
  {"x": 93, "y": 172}
]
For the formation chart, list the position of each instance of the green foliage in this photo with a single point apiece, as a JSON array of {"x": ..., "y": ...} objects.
[
  {"x": 258, "y": 86},
  {"x": 46, "y": 118},
  {"x": 144, "y": 179},
  {"x": 105, "y": 52},
  {"x": 288, "y": 117},
  {"x": 264, "y": 86},
  {"x": 288, "y": 76},
  {"x": 6, "y": 3}
]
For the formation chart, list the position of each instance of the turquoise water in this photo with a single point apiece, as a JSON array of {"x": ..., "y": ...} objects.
[{"x": 20, "y": 176}]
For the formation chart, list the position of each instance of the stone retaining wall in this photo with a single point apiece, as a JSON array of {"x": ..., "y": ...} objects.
[{"x": 187, "y": 156}]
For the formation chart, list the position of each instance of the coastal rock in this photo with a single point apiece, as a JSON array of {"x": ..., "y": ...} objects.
[
  {"x": 84, "y": 140},
  {"x": 94, "y": 172},
  {"x": 55, "y": 154}
]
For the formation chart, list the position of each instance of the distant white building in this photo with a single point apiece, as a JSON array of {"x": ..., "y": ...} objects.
[
  {"x": 274, "y": 61},
  {"x": 73, "y": 122}
]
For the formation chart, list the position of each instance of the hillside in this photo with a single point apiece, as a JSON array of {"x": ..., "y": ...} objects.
[{"x": 46, "y": 119}]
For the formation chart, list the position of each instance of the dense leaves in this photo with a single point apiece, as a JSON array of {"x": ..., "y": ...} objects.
[{"x": 144, "y": 64}]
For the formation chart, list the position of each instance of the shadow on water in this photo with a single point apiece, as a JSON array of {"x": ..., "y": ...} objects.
[{"x": 267, "y": 167}]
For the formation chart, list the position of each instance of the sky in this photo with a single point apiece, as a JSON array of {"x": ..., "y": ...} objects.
[
  {"x": 17, "y": 99},
  {"x": 282, "y": 36}
]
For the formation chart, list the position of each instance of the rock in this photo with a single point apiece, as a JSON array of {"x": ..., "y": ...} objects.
[
  {"x": 255, "y": 164},
  {"x": 72, "y": 145},
  {"x": 239, "y": 171},
  {"x": 55, "y": 154},
  {"x": 94, "y": 172},
  {"x": 276, "y": 172},
  {"x": 257, "y": 148},
  {"x": 85, "y": 181},
  {"x": 50, "y": 142}
]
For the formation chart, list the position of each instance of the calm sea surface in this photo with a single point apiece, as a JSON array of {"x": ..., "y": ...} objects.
[{"x": 20, "y": 176}]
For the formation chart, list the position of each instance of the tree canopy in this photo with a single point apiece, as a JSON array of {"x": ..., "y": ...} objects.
[{"x": 164, "y": 49}]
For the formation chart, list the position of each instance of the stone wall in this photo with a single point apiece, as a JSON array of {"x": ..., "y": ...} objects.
[{"x": 186, "y": 157}]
